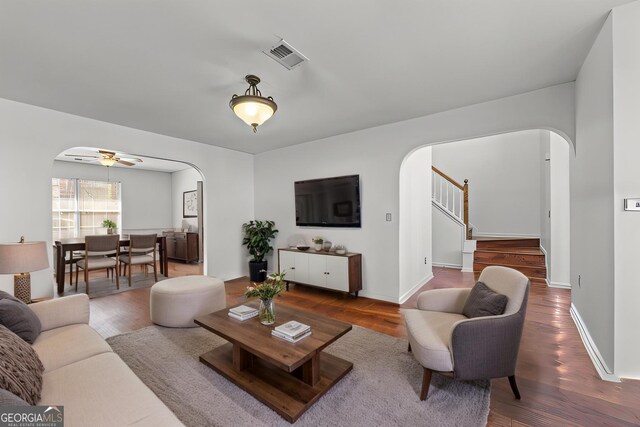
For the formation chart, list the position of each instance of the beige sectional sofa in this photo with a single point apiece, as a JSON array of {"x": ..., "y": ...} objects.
[{"x": 83, "y": 374}]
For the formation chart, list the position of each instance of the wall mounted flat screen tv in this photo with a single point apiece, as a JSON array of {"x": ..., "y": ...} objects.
[{"x": 328, "y": 202}]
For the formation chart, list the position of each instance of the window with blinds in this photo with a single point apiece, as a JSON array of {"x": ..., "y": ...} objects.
[{"x": 79, "y": 206}]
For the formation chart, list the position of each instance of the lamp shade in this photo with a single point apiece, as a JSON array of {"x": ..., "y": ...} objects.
[
  {"x": 23, "y": 257},
  {"x": 253, "y": 110}
]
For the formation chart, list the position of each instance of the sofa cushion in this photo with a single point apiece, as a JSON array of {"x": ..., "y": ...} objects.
[
  {"x": 20, "y": 368},
  {"x": 62, "y": 346},
  {"x": 9, "y": 399},
  {"x": 103, "y": 391},
  {"x": 430, "y": 337},
  {"x": 483, "y": 301},
  {"x": 18, "y": 317}
]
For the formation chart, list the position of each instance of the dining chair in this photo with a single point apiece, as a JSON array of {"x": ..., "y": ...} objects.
[
  {"x": 100, "y": 252},
  {"x": 142, "y": 251}
]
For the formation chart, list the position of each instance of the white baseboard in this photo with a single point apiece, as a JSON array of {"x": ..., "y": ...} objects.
[
  {"x": 596, "y": 358},
  {"x": 559, "y": 285},
  {"x": 415, "y": 288},
  {"x": 446, "y": 265},
  {"x": 512, "y": 235},
  {"x": 380, "y": 297},
  {"x": 467, "y": 270}
]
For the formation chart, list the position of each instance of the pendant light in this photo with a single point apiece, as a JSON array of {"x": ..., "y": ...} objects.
[{"x": 253, "y": 108}]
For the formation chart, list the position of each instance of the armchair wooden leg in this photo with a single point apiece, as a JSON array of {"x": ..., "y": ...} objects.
[
  {"x": 514, "y": 386},
  {"x": 426, "y": 382},
  {"x": 409, "y": 347}
]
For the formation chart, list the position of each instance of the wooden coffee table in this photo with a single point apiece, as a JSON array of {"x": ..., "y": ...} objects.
[{"x": 287, "y": 377}]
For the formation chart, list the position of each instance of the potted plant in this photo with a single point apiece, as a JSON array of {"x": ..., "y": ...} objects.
[
  {"x": 317, "y": 243},
  {"x": 257, "y": 238},
  {"x": 109, "y": 225}
]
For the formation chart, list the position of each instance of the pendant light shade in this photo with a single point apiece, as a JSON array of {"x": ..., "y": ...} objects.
[
  {"x": 107, "y": 161},
  {"x": 253, "y": 108}
]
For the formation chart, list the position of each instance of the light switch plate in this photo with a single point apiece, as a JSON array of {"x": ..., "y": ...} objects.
[
  {"x": 388, "y": 217},
  {"x": 632, "y": 204}
]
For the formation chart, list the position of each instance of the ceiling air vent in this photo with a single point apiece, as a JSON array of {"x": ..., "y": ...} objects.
[{"x": 286, "y": 55}]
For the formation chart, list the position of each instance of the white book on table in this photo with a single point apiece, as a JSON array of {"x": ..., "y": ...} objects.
[
  {"x": 243, "y": 310},
  {"x": 248, "y": 316},
  {"x": 289, "y": 339},
  {"x": 293, "y": 328}
]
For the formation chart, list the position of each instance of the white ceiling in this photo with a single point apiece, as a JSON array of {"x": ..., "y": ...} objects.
[
  {"x": 148, "y": 163},
  {"x": 171, "y": 66}
]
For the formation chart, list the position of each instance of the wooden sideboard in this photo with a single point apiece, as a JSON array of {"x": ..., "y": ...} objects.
[
  {"x": 182, "y": 246},
  {"x": 326, "y": 270}
]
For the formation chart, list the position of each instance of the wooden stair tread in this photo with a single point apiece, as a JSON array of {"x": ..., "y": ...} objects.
[
  {"x": 508, "y": 243},
  {"x": 514, "y": 250},
  {"x": 529, "y": 271}
]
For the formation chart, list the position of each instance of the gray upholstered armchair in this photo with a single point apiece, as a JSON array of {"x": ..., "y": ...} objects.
[{"x": 444, "y": 340}]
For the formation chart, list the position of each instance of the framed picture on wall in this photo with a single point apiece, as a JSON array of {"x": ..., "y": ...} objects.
[{"x": 190, "y": 204}]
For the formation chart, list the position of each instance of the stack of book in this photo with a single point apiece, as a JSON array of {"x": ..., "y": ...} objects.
[
  {"x": 292, "y": 331},
  {"x": 242, "y": 312}
]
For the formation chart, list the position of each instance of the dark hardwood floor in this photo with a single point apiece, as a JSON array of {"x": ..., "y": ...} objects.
[{"x": 558, "y": 383}]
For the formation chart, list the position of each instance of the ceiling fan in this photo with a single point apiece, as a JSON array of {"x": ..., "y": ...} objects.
[{"x": 109, "y": 158}]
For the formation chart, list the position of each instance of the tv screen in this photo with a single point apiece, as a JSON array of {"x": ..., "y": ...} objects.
[{"x": 328, "y": 202}]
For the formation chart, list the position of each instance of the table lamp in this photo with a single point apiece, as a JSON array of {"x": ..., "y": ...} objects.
[{"x": 21, "y": 259}]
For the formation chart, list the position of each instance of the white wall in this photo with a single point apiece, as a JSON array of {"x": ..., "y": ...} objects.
[
  {"x": 545, "y": 197},
  {"x": 448, "y": 239},
  {"x": 146, "y": 195},
  {"x": 626, "y": 177},
  {"x": 376, "y": 154},
  {"x": 504, "y": 181},
  {"x": 181, "y": 181},
  {"x": 31, "y": 137},
  {"x": 592, "y": 203},
  {"x": 560, "y": 205},
  {"x": 415, "y": 222}
]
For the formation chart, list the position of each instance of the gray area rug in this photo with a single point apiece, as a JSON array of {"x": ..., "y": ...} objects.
[
  {"x": 381, "y": 390},
  {"x": 103, "y": 286}
]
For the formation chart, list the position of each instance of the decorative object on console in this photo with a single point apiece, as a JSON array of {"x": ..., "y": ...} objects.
[
  {"x": 109, "y": 225},
  {"x": 253, "y": 108},
  {"x": 302, "y": 248},
  {"x": 21, "y": 259},
  {"x": 257, "y": 239},
  {"x": 317, "y": 243},
  {"x": 266, "y": 291},
  {"x": 340, "y": 249},
  {"x": 326, "y": 245}
]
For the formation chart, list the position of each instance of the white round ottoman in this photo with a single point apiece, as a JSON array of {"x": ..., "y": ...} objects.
[{"x": 177, "y": 301}]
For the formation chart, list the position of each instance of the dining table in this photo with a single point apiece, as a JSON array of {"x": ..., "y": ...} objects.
[{"x": 69, "y": 245}]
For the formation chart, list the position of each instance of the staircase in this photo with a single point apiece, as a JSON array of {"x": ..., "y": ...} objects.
[{"x": 523, "y": 255}]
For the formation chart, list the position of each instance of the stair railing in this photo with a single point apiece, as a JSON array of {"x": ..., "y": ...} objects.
[{"x": 451, "y": 196}]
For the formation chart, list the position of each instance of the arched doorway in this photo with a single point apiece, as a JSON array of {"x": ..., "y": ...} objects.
[
  {"x": 93, "y": 187},
  {"x": 519, "y": 178}
]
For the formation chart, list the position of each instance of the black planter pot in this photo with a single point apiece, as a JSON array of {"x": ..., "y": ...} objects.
[{"x": 257, "y": 271}]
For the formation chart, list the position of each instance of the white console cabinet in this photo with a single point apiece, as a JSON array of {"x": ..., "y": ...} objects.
[{"x": 322, "y": 269}]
